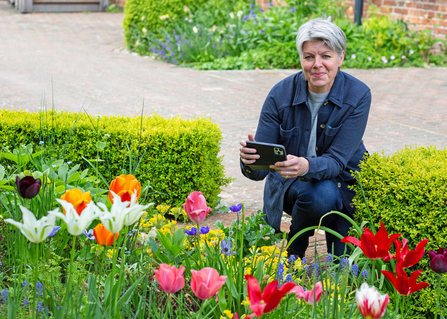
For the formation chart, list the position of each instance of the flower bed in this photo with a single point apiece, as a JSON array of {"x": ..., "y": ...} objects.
[{"x": 115, "y": 255}]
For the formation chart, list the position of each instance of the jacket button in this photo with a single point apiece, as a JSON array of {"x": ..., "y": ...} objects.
[
  {"x": 323, "y": 125},
  {"x": 338, "y": 185},
  {"x": 325, "y": 103}
]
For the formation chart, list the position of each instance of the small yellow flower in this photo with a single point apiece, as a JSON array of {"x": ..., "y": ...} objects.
[
  {"x": 144, "y": 30},
  {"x": 246, "y": 302},
  {"x": 163, "y": 17},
  {"x": 194, "y": 29},
  {"x": 137, "y": 43},
  {"x": 228, "y": 314}
]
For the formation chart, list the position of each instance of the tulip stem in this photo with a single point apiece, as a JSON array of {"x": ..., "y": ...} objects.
[
  {"x": 198, "y": 246},
  {"x": 36, "y": 270},
  {"x": 71, "y": 265},
  {"x": 373, "y": 272}
]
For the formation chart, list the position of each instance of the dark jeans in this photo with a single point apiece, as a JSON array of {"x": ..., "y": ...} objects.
[{"x": 307, "y": 202}]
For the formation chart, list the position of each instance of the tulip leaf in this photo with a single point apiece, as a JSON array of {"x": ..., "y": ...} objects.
[
  {"x": 2, "y": 172},
  {"x": 73, "y": 178},
  {"x": 179, "y": 236},
  {"x": 10, "y": 157},
  {"x": 128, "y": 294},
  {"x": 97, "y": 191},
  {"x": 62, "y": 172},
  {"x": 60, "y": 189},
  {"x": 222, "y": 299},
  {"x": 5, "y": 187},
  {"x": 84, "y": 174},
  {"x": 101, "y": 145}
]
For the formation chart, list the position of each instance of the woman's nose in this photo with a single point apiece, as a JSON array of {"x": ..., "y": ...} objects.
[{"x": 317, "y": 62}]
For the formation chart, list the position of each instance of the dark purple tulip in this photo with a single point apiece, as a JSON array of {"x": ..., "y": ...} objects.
[
  {"x": 438, "y": 260},
  {"x": 28, "y": 187}
]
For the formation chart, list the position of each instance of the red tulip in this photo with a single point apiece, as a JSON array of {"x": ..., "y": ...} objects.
[
  {"x": 267, "y": 300},
  {"x": 206, "y": 282},
  {"x": 309, "y": 295},
  {"x": 373, "y": 246},
  {"x": 408, "y": 257},
  {"x": 404, "y": 285},
  {"x": 28, "y": 187},
  {"x": 169, "y": 278},
  {"x": 195, "y": 207},
  {"x": 370, "y": 302},
  {"x": 438, "y": 260}
]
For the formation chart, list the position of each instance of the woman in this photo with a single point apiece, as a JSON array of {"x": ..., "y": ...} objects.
[{"x": 319, "y": 115}]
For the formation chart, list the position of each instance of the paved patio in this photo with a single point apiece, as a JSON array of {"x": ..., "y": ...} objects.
[{"x": 80, "y": 59}]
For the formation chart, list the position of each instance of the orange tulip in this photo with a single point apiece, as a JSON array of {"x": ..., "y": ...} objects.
[
  {"x": 124, "y": 186},
  {"x": 77, "y": 198},
  {"x": 102, "y": 236}
]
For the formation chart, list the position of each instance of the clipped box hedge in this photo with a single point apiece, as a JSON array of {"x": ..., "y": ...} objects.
[
  {"x": 181, "y": 155},
  {"x": 407, "y": 191}
]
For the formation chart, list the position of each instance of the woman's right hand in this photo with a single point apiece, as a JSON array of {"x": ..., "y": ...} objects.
[{"x": 248, "y": 155}]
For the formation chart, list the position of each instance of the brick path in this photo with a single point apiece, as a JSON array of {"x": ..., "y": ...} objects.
[{"x": 81, "y": 60}]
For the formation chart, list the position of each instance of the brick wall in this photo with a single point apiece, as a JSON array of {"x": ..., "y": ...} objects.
[{"x": 421, "y": 14}]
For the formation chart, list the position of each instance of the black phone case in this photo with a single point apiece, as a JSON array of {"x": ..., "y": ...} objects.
[{"x": 269, "y": 154}]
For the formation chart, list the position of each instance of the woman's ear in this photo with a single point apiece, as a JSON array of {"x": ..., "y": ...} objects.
[{"x": 341, "y": 59}]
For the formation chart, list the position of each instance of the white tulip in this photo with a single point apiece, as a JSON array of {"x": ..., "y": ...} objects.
[
  {"x": 76, "y": 224},
  {"x": 113, "y": 220},
  {"x": 370, "y": 302},
  {"x": 35, "y": 230},
  {"x": 134, "y": 211}
]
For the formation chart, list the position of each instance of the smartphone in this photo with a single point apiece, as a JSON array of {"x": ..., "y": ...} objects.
[{"x": 269, "y": 155}]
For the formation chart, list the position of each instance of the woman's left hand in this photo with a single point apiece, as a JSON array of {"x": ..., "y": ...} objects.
[{"x": 293, "y": 167}]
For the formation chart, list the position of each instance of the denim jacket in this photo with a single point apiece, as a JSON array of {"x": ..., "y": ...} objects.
[{"x": 286, "y": 119}]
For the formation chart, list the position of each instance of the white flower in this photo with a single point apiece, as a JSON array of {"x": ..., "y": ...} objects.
[
  {"x": 35, "y": 230},
  {"x": 239, "y": 14},
  {"x": 369, "y": 58},
  {"x": 76, "y": 224},
  {"x": 411, "y": 51},
  {"x": 194, "y": 29},
  {"x": 134, "y": 212},
  {"x": 353, "y": 56},
  {"x": 122, "y": 213},
  {"x": 392, "y": 57},
  {"x": 231, "y": 15},
  {"x": 370, "y": 302}
]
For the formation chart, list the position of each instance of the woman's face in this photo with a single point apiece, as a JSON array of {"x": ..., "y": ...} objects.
[{"x": 320, "y": 65}]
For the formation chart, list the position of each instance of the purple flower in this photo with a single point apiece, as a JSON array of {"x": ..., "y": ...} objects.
[
  {"x": 245, "y": 18},
  {"x": 236, "y": 208},
  {"x": 204, "y": 230},
  {"x": 403, "y": 57},
  {"x": 252, "y": 11},
  {"x": 191, "y": 232},
  {"x": 261, "y": 10},
  {"x": 392, "y": 57},
  {"x": 369, "y": 58},
  {"x": 411, "y": 51},
  {"x": 89, "y": 234},
  {"x": 226, "y": 248},
  {"x": 55, "y": 230},
  {"x": 353, "y": 56},
  {"x": 261, "y": 31},
  {"x": 28, "y": 187},
  {"x": 270, "y": 4},
  {"x": 292, "y": 10},
  {"x": 252, "y": 5}
]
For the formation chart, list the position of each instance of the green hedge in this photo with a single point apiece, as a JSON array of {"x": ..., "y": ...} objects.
[
  {"x": 180, "y": 155},
  {"x": 407, "y": 191}
]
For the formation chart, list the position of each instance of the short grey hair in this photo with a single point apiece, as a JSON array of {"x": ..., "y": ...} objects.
[{"x": 323, "y": 30}]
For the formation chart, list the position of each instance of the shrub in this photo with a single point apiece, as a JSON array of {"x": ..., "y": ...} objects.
[
  {"x": 407, "y": 191},
  {"x": 177, "y": 156}
]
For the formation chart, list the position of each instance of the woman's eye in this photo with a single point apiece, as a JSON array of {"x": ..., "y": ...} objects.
[{"x": 308, "y": 57}]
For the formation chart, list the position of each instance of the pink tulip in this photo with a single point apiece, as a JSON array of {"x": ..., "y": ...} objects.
[
  {"x": 206, "y": 283},
  {"x": 370, "y": 302},
  {"x": 169, "y": 278},
  {"x": 309, "y": 295},
  {"x": 195, "y": 207}
]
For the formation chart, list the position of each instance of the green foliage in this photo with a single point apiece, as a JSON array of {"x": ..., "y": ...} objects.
[
  {"x": 177, "y": 156},
  {"x": 153, "y": 15},
  {"x": 236, "y": 35},
  {"x": 407, "y": 191}
]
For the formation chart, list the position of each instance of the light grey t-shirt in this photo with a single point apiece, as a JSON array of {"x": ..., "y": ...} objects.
[{"x": 315, "y": 101}]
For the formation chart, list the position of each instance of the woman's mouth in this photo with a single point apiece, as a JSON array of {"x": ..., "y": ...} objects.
[{"x": 318, "y": 75}]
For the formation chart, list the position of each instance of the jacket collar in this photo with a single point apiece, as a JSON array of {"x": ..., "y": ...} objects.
[{"x": 336, "y": 95}]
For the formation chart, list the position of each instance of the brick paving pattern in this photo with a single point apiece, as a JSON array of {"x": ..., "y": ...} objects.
[{"x": 80, "y": 59}]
